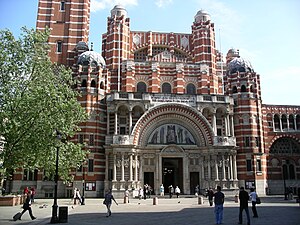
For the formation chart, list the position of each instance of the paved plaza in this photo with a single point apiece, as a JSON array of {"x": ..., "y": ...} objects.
[{"x": 182, "y": 211}]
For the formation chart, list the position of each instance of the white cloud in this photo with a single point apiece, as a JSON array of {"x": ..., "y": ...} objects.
[
  {"x": 163, "y": 3},
  {"x": 97, "y": 5}
]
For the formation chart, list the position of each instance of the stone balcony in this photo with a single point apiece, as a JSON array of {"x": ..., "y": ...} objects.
[
  {"x": 224, "y": 141},
  {"x": 159, "y": 98}
]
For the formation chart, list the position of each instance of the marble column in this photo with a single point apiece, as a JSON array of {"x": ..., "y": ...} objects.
[
  {"x": 223, "y": 168},
  {"x": 122, "y": 168},
  {"x": 107, "y": 122},
  {"x": 130, "y": 121},
  {"x": 234, "y": 168},
  {"x": 216, "y": 168},
  {"x": 115, "y": 168},
  {"x": 231, "y": 169},
  {"x": 214, "y": 124},
  {"x": 116, "y": 123},
  {"x": 130, "y": 167}
]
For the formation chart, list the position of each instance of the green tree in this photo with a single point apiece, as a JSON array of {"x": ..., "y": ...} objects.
[{"x": 36, "y": 99}]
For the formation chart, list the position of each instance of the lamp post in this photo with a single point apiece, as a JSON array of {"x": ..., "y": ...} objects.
[
  {"x": 83, "y": 184},
  {"x": 54, "y": 218},
  {"x": 284, "y": 183}
]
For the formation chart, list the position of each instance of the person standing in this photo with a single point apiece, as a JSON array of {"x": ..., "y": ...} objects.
[
  {"x": 32, "y": 194},
  {"x": 244, "y": 198},
  {"x": 27, "y": 206},
  {"x": 253, "y": 196},
  {"x": 162, "y": 190},
  {"x": 219, "y": 202},
  {"x": 210, "y": 196},
  {"x": 126, "y": 196},
  {"x": 177, "y": 191},
  {"x": 108, "y": 201}
]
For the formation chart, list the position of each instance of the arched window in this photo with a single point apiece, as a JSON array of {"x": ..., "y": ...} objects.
[
  {"x": 298, "y": 122},
  {"x": 251, "y": 88},
  {"x": 285, "y": 145},
  {"x": 83, "y": 83},
  {"x": 59, "y": 46},
  {"x": 288, "y": 171},
  {"x": 191, "y": 89},
  {"x": 141, "y": 87},
  {"x": 284, "y": 122},
  {"x": 291, "y": 122},
  {"x": 276, "y": 122},
  {"x": 243, "y": 88},
  {"x": 166, "y": 88},
  {"x": 93, "y": 84},
  {"x": 102, "y": 85},
  {"x": 234, "y": 89}
]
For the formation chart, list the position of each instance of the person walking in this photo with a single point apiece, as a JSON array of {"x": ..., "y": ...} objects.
[
  {"x": 253, "y": 196},
  {"x": 162, "y": 190},
  {"x": 27, "y": 206},
  {"x": 171, "y": 191},
  {"x": 108, "y": 201},
  {"x": 244, "y": 198},
  {"x": 33, "y": 192},
  {"x": 76, "y": 196},
  {"x": 177, "y": 191},
  {"x": 219, "y": 202}
]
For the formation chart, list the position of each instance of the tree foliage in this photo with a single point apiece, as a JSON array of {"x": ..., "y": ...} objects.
[{"x": 36, "y": 99}]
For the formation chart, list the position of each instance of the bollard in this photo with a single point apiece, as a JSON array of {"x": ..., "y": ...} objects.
[
  {"x": 126, "y": 200},
  {"x": 200, "y": 200},
  {"x": 155, "y": 200}
]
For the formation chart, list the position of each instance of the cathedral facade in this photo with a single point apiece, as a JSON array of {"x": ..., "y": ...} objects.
[{"x": 166, "y": 108}]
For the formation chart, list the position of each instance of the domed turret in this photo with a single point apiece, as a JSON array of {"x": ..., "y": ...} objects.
[
  {"x": 92, "y": 58},
  {"x": 202, "y": 16},
  {"x": 81, "y": 45},
  {"x": 239, "y": 64},
  {"x": 118, "y": 11}
]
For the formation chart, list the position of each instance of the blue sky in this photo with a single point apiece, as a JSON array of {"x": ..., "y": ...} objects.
[{"x": 266, "y": 32}]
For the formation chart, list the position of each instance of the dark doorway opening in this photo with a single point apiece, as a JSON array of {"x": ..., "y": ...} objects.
[
  {"x": 194, "y": 181},
  {"x": 172, "y": 173},
  {"x": 149, "y": 179}
]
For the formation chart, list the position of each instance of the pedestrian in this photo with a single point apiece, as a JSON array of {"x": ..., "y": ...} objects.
[
  {"x": 27, "y": 206},
  {"x": 76, "y": 196},
  {"x": 145, "y": 191},
  {"x": 171, "y": 191},
  {"x": 197, "y": 190},
  {"x": 162, "y": 190},
  {"x": 26, "y": 190},
  {"x": 219, "y": 202},
  {"x": 141, "y": 193},
  {"x": 253, "y": 196},
  {"x": 177, "y": 191},
  {"x": 210, "y": 196},
  {"x": 126, "y": 196},
  {"x": 33, "y": 192},
  {"x": 244, "y": 198},
  {"x": 108, "y": 201}
]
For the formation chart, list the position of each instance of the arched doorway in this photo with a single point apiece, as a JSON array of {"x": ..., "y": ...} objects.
[{"x": 172, "y": 173}]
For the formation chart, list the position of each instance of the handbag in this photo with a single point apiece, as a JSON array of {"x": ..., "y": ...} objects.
[{"x": 258, "y": 200}]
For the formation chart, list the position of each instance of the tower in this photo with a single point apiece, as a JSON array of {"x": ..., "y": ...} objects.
[
  {"x": 204, "y": 50},
  {"x": 115, "y": 44},
  {"x": 243, "y": 84},
  {"x": 69, "y": 23}
]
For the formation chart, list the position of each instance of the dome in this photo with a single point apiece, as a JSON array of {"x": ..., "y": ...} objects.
[
  {"x": 239, "y": 64},
  {"x": 233, "y": 52},
  {"x": 202, "y": 15},
  {"x": 91, "y": 57},
  {"x": 81, "y": 45},
  {"x": 118, "y": 11}
]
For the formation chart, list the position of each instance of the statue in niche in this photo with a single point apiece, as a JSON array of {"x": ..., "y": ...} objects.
[
  {"x": 154, "y": 137},
  {"x": 179, "y": 134},
  {"x": 188, "y": 139},
  {"x": 162, "y": 135},
  {"x": 171, "y": 135}
]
